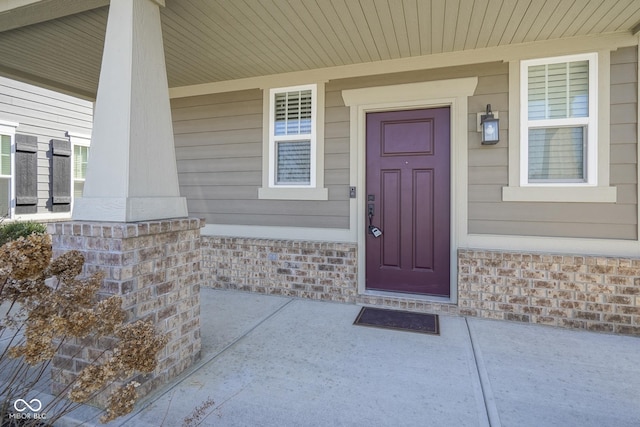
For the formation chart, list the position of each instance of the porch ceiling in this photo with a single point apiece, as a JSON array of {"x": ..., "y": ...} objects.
[{"x": 211, "y": 41}]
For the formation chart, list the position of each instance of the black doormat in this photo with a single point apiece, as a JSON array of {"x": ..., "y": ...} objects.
[{"x": 399, "y": 320}]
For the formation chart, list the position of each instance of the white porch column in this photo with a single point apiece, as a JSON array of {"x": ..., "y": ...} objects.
[{"x": 132, "y": 174}]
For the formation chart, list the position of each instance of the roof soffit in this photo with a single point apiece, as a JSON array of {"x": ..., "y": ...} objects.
[{"x": 227, "y": 40}]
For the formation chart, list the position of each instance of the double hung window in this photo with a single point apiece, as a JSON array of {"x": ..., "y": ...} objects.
[
  {"x": 558, "y": 116},
  {"x": 560, "y": 150},
  {"x": 294, "y": 150},
  {"x": 292, "y": 134}
]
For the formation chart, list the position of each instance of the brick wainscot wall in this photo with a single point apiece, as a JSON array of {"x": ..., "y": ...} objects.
[
  {"x": 580, "y": 292},
  {"x": 583, "y": 292},
  {"x": 314, "y": 270}
]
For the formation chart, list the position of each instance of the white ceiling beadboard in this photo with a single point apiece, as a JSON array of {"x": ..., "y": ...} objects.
[{"x": 219, "y": 40}]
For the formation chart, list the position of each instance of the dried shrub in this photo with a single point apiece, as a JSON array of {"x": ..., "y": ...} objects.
[
  {"x": 121, "y": 402},
  {"x": 50, "y": 305},
  {"x": 26, "y": 257}
]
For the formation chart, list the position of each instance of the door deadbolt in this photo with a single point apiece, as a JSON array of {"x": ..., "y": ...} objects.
[{"x": 371, "y": 210}]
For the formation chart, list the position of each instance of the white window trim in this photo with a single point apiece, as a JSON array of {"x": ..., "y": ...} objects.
[
  {"x": 315, "y": 190},
  {"x": 80, "y": 140},
  {"x": 596, "y": 189},
  {"x": 9, "y": 128}
]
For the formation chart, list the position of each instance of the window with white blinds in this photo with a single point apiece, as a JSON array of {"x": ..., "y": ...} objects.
[
  {"x": 293, "y": 113},
  {"x": 5, "y": 174},
  {"x": 292, "y": 135},
  {"x": 557, "y": 154},
  {"x": 558, "y": 97},
  {"x": 293, "y": 162}
]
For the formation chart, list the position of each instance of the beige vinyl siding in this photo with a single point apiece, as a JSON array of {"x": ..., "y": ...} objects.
[
  {"x": 336, "y": 149},
  {"x": 219, "y": 152},
  {"x": 488, "y": 171},
  {"x": 46, "y": 115},
  {"x": 624, "y": 133},
  {"x": 218, "y": 142}
]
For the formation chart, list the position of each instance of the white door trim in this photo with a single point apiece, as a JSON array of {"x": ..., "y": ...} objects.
[{"x": 451, "y": 93}]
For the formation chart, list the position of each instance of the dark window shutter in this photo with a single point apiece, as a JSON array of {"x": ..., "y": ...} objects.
[
  {"x": 26, "y": 174},
  {"x": 60, "y": 175}
]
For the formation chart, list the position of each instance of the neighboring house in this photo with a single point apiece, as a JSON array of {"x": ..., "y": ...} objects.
[
  {"x": 299, "y": 126},
  {"x": 45, "y": 138}
]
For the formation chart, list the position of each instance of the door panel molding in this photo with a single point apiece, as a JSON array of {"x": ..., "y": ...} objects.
[
  {"x": 423, "y": 249},
  {"x": 389, "y": 215}
]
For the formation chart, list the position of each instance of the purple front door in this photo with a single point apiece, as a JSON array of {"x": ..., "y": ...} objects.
[{"x": 407, "y": 198}]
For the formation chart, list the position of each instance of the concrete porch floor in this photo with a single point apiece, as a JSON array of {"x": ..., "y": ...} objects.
[{"x": 275, "y": 361}]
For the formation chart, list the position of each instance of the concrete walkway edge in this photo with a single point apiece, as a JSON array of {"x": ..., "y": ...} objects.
[{"x": 489, "y": 402}]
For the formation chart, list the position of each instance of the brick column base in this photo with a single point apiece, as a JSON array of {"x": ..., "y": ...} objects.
[{"x": 155, "y": 267}]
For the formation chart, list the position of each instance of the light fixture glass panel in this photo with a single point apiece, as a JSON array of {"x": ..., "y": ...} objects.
[{"x": 490, "y": 131}]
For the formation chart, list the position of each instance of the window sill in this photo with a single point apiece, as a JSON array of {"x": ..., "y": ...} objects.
[
  {"x": 560, "y": 194},
  {"x": 293, "y": 193}
]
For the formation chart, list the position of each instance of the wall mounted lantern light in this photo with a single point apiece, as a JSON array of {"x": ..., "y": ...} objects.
[{"x": 490, "y": 127}]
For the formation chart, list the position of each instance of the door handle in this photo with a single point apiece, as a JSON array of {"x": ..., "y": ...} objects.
[{"x": 371, "y": 210}]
